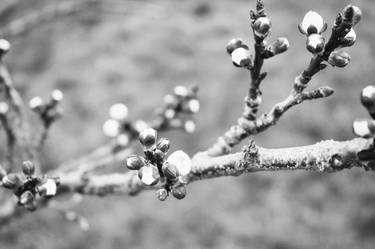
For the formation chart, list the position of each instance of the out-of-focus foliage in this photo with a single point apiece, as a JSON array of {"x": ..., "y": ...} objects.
[{"x": 137, "y": 51}]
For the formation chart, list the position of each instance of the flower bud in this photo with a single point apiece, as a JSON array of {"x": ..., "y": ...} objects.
[
  {"x": 170, "y": 171},
  {"x": 262, "y": 27},
  {"x": 315, "y": 43},
  {"x": 4, "y": 108},
  {"x": 312, "y": 23},
  {"x": 149, "y": 175},
  {"x": 48, "y": 188},
  {"x": 193, "y": 106},
  {"x": 241, "y": 57},
  {"x": 364, "y": 128},
  {"x": 234, "y": 44},
  {"x": 118, "y": 112},
  {"x": 111, "y": 128},
  {"x": 164, "y": 144},
  {"x": 11, "y": 181},
  {"x": 349, "y": 39},
  {"x": 277, "y": 47},
  {"x": 148, "y": 137},
  {"x": 57, "y": 95},
  {"x": 339, "y": 59},
  {"x": 4, "y": 47},
  {"x": 134, "y": 162},
  {"x": 179, "y": 192},
  {"x": 189, "y": 126},
  {"x": 181, "y": 91},
  {"x": 158, "y": 155},
  {"x": 162, "y": 194},
  {"x": 353, "y": 13},
  {"x": 26, "y": 197},
  {"x": 36, "y": 103},
  {"x": 28, "y": 168},
  {"x": 368, "y": 99},
  {"x": 182, "y": 162}
]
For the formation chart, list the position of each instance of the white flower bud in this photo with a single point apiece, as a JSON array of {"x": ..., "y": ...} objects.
[
  {"x": 4, "y": 46},
  {"x": 36, "y": 103},
  {"x": 179, "y": 192},
  {"x": 315, "y": 43},
  {"x": 26, "y": 197},
  {"x": 181, "y": 91},
  {"x": 182, "y": 162},
  {"x": 57, "y": 95},
  {"x": 339, "y": 58},
  {"x": 193, "y": 105},
  {"x": 28, "y": 168},
  {"x": 312, "y": 23},
  {"x": 49, "y": 188},
  {"x": 4, "y": 108},
  {"x": 262, "y": 27},
  {"x": 234, "y": 44},
  {"x": 354, "y": 13},
  {"x": 189, "y": 126},
  {"x": 164, "y": 144},
  {"x": 364, "y": 128},
  {"x": 149, "y": 175},
  {"x": 118, "y": 112},
  {"x": 111, "y": 128},
  {"x": 241, "y": 57},
  {"x": 162, "y": 194},
  {"x": 349, "y": 39},
  {"x": 368, "y": 96},
  {"x": 134, "y": 162}
]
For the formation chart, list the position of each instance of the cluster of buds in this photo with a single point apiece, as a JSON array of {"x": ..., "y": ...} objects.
[
  {"x": 261, "y": 27},
  {"x": 178, "y": 109},
  {"x": 366, "y": 127},
  {"x": 343, "y": 35},
  {"x": 119, "y": 127},
  {"x": 172, "y": 172},
  {"x": 48, "y": 111},
  {"x": 27, "y": 186}
]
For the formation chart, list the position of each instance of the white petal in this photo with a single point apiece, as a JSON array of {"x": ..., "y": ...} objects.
[
  {"x": 351, "y": 35},
  {"x": 368, "y": 91},
  {"x": 50, "y": 186},
  {"x": 181, "y": 160},
  {"x": 360, "y": 128},
  {"x": 194, "y": 105},
  {"x": 147, "y": 175},
  {"x": 239, "y": 55},
  {"x": 312, "y": 18}
]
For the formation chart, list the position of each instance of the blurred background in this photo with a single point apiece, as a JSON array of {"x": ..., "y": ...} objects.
[{"x": 135, "y": 52}]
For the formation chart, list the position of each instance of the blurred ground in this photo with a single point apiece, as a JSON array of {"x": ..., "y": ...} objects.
[{"x": 137, "y": 51}]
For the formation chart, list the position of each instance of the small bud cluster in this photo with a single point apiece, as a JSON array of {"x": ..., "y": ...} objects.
[
  {"x": 343, "y": 35},
  {"x": 154, "y": 167},
  {"x": 261, "y": 27},
  {"x": 178, "y": 109},
  {"x": 27, "y": 186},
  {"x": 48, "y": 111},
  {"x": 120, "y": 127}
]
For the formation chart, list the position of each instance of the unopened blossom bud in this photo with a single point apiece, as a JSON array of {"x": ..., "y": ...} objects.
[
  {"x": 11, "y": 181},
  {"x": 179, "y": 192},
  {"x": 170, "y": 171},
  {"x": 277, "y": 47},
  {"x": 118, "y": 112},
  {"x": 149, "y": 175},
  {"x": 349, "y": 39},
  {"x": 364, "y": 128},
  {"x": 4, "y": 108},
  {"x": 163, "y": 144},
  {"x": 36, "y": 103},
  {"x": 262, "y": 27},
  {"x": 111, "y": 128},
  {"x": 148, "y": 137},
  {"x": 162, "y": 194},
  {"x": 182, "y": 162},
  {"x": 315, "y": 43},
  {"x": 189, "y": 126},
  {"x": 312, "y": 23},
  {"x": 181, "y": 91},
  {"x": 134, "y": 162},
  {"x": 28, "y": 168},
  {"x": 241, "y": 57},
  {"x": 57, "y": 95},
  {"x": 353, "y": 13},
  {"x": 48, "y": 188},
  {"x": 368, "y": 99},
  {"x": 234, "y": 44},
  {"x": 158, "y": 155},
  {"x": 26, "y": 197},
  {"x": 193, "y": 105},
  {"x": 4, "y": 47},
  {"x": 339, "y": 59}
]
